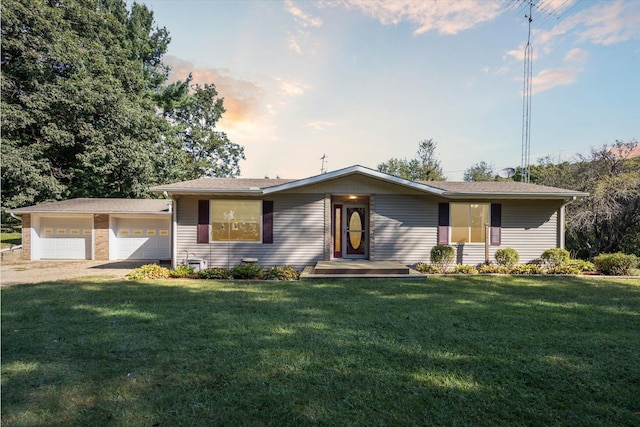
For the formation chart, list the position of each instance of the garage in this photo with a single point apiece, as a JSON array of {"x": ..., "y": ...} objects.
[
  {"x": 65, "y": 237},
  {"x": 141, "y": 238}
]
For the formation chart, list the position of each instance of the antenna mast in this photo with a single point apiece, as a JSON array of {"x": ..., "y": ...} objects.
[
  {"x": 323, "y": 169},
  {"x": 526, "y": 102}
]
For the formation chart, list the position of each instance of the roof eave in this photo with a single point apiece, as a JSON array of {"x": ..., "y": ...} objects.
[
  {"x": 528, "y": 196},
  {"x": 201, "y": 191}
]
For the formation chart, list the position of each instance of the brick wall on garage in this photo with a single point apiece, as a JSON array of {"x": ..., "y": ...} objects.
[
  {"x": 26, "y": 237},
  {"x": 101, "y": 227}
]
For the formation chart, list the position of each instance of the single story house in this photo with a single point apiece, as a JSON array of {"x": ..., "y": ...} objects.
[{"x": 351, "y": 213}]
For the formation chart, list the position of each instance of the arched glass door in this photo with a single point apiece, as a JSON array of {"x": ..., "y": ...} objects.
[{"x": 355, "y": 231}]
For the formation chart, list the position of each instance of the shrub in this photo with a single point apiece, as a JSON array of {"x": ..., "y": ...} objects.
[
  {"x": 183, "y": 271},
  {"x": 286, "y": 272},
  {"x": 442, "y": 256},
  {"x": 582, "y": 265},
  {"x": 507, "y": 257},
  {"x": 465, "y": 269},
  {"x": 493, "y": 269},
  {"x": 148, "y": 271},
  {"x": 617, "y": 264},
  {"x": 247, "y": 271},
  {"x": 563, "y": 269},
  {"x": 555, "y": 257},
  {"x": 214, "y": 273},
  {"x": 425, "y": 268},
  {"x": 526, "y": 269}
]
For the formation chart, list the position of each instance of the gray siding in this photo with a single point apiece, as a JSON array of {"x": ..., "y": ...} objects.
[
  {"x": 298, "y": 230},
  {"x": 405, "y": 228}
]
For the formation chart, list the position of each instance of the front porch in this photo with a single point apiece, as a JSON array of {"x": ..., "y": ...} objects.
[{"x": 359, "y": 269}]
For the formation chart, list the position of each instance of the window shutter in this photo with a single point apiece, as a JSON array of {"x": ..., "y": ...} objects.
[
  {"x": 496, "y": 224},
  {"x": 267, "y": 221},
  {"x": 443, "y": 223},
  {"x": 203, "y": 221}
]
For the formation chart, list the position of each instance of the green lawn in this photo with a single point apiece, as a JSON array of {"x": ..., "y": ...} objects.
[
  {"x": 478, "y": 351},
  {"x": 8, "y": 239}
]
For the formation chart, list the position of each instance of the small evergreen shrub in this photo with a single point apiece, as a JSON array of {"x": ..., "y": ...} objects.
[
  {"x": 563, "y": 269},
  {"x": 507, "y": 257},
  {"x": 214, "y": 273},
  {"x": 286, "y": 272},
  {"x": 183, "y": 272},
  {"x": 425, "y": 268},
  {"x": 582, "y": 265},
  {"x": 493, "y": 269},
  {"x": 465, "y": 269},
  {"x": 555, "y": 257},
  {"x": 247, "y": 271},
  {"x": 617, "y": 264},
  {"x": 526, "y": 269},
  {"x": 442, "y": 256},
  {"x": 148, "y": 271}
]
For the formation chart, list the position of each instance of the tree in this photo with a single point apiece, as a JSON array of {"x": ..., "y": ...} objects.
[
  {"x": 608, "y": 220},
  {"x": 82, "y": 83},
  {"x": 481, "y": 171},
  {"x": 425, "y": 167},
  {"x": 206, "y": 152}
]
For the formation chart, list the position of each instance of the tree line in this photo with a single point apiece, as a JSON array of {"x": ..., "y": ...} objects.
[{"x": 87, "y": 110}]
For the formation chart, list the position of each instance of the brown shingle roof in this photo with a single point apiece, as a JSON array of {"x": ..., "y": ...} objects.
[
  {"x": 222, "y": 184},
  {"x": 495, "y": 187},
  {"x": 150, "y": 206}
]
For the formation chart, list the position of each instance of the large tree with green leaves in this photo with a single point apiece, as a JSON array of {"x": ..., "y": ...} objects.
[
  {"x": 424, "y": 167},
  {"x": 481, "y": 171},
  {"x": 81, "y": 85}
]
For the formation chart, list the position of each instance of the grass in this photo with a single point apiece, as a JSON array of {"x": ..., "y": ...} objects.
[
  {"x": 8, "y": 239},
  {"x": 481, "y": 351}
]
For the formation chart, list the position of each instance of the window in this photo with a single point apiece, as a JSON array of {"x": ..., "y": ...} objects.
[
  {"x": 468, "y": 221},
  {"x": 236, "y": 220}
]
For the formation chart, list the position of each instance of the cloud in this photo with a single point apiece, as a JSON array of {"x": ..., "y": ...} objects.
[
  {"x": 444, "y": 16},
  {"x": 546, "y": 79},
  {"x": 290, "y": 87},
  {"x": 301, "y": 17},
  {"x": 319, "y": 125}
]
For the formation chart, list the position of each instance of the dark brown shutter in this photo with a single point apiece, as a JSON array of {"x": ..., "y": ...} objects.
[
  {"x": 267, "y": 221},
  {"x": 203, "y": 221},
  {"x": 443, "y": 223},
  {"x": 496, "y": 224}
]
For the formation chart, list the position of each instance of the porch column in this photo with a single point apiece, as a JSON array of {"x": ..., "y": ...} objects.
[{"x": 26, "y": 237}]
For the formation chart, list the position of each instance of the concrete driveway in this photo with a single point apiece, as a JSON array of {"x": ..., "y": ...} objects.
[{"x": 49, "y": 271}]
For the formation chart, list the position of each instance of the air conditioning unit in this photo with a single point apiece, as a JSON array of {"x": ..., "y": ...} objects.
[{"x": 197, "y": 264}]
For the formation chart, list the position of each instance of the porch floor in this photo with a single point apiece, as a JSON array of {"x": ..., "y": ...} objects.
[{"x": 359, "y": 269}]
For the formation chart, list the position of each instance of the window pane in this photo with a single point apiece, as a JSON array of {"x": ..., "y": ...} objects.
[
  {"x": 479, "y": 215},
  {"x": 459, "y": 222},
  {"x": 235, "y": 220}
]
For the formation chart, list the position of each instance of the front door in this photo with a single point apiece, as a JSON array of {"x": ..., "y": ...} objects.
[{"x": 350, "y": 231}]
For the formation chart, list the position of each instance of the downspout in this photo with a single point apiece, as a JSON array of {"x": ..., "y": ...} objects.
[
  {"x": 561, "y": 220},
  {"x": 15, "y": 217}
]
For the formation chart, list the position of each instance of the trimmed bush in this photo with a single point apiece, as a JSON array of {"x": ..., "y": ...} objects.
[
  {"x": 526, "y": 269},
  {"x": 507, "y": 257},
  {"x": 493, "y": 269},
  {"x": 555, "y": 257},
  {"x": 582, "y": 265},
  {"x": 214, "y": 273},
  {"x": 286, "y": 272},
  {"x": 425, "y": 268},
  {"x": 465, "y": 269},
  {"x": 148, "y": 271},
  {"x": 617, "y": 264},
  {"x": 442, "y": 256},
  {"x": 247, "y": 271},
  {"x": 563, "y": 269},
  {"x": 183, "y": 272}
]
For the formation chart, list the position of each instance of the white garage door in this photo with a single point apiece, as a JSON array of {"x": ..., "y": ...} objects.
[
  {"x": 65, "y": 238},
  {"x": 143, "y": 238}
]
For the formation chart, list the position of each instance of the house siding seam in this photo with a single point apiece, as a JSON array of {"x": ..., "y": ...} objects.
[
  {"x": 298, "y": 223},
  {"x": 26, "y": 237},
  {"x": 101, "y": 236}
]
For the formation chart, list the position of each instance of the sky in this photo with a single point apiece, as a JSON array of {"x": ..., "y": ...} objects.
[{"x": 362, "y": 81}]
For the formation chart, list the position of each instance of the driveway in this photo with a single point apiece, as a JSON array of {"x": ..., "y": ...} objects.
[{"x": 49, "y": 271}]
